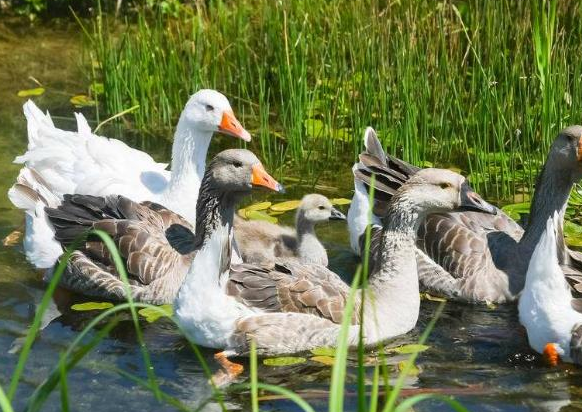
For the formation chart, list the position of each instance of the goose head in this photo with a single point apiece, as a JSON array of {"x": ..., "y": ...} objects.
[
  {"x": 566, "y": 153},
  {"x": 208, "y": 110},
  {"x": 315, "y": 208},
  {"x": 238, "y": 171},
  {"x": 439, "y": 190}
]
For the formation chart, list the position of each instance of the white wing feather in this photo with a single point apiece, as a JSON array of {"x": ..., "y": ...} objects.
[{"x": 84, "y": 163}]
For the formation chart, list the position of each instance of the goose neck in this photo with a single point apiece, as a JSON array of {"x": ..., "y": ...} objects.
[
  {"x": 393, "y": 287},
  {"x": 188, "y": 157},
  {"x": 551, "y": 195},
  {"x": 214, "y": 209}
]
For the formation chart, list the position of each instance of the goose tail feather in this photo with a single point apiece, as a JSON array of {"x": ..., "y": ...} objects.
[{"x": 31, "y": 194}]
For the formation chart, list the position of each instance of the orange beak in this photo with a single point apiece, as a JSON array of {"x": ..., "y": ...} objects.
[
  {"x": 262, "y": 178},
  {"x": 231, "y": 126},
  {"x": 579, "y": 149}
]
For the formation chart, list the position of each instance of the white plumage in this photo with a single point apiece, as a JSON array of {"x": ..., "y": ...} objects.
[
  {"x": 84, "y": 163},
  {"x": 545, "y": 305}
]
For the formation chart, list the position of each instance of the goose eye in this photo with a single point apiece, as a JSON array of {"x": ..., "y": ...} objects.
[
  {"x": 236, "y": 163},
  {"x": 445, "y": 185},
  {"x": 321, "y": 207},
  {"x": 209, "y": 108}
]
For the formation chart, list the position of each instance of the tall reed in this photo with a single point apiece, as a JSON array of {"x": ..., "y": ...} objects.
[{"x": 479, "y": 85}]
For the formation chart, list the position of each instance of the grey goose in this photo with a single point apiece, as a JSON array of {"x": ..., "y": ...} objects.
[
  {"x": 264, "y": 242},
  {"x": 467, "y": 256}
]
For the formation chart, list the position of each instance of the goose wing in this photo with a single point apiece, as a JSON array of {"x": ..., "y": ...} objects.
[
  {"x": 469, "y": 252},
  {"x": 138, "y": 230},
  {"x": 84, "y": 163},
  {"x": 290, "y": 287}
]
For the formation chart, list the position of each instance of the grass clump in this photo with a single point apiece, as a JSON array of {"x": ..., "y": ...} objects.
[{"x": 479, "y": 85}]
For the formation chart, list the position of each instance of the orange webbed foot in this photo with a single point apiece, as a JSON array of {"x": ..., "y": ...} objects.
[
  {"x": 551, "y": 356},
  {"x": 230, "y": 370}
]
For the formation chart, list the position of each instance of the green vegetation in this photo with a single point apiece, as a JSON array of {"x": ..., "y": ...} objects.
[{"x": 482, "y": 86}]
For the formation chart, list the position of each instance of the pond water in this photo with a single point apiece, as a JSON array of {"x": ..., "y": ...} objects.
[{"x": 478, "y": 354}]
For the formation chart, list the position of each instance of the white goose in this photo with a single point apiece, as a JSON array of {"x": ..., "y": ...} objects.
[
  {"x": 83, "y": 163},
  {"x": 551, "y": 316}
]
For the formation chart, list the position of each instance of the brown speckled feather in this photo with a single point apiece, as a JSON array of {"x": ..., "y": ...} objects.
[
  {"x": 139, "y": 232},
  {"x": 290, "y": 287}
]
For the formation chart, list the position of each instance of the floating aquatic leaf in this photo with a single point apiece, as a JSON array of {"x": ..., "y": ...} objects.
[
  {"x": 242, "y": 213},
  {"x": 92, "y": 306},
  {"x": 432, "y": 298},
  {"x": 323, "y": 351},
  {"x": 151, "y": 315},
  {"x": 31, "y": 92},
  {"x": 97, "y": 88},
  {"x": 339, "y": 201},
  {"x": 82, "y": 100},
  {"x": 258, "y": 215},
  {"x": 259, "y": 206},
  {"x": 413, "y": 371},
  {"x": 515, "y": 210},
  {"x": 574, "y": 241},
  {"x": 285, "y": 206},
  {"x": 284, "y": 361},
  {"x": 326, "y": 360},
  {"x": 314, "y": 127},
  {"x": 13, "y": 238},
  {"x": 407, "y": 349}
]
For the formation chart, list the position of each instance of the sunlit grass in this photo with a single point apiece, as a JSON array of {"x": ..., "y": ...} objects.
[{"x": 479, "y": 85}]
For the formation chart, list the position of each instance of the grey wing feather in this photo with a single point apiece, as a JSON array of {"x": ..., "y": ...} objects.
[
  {"x": 290, "y": 287},
  {"x": 576, "y": 344}
]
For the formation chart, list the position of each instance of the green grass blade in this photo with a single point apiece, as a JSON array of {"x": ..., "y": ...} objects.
[
  {"x": 254, "y": 377},
  {"x": 338, "y": 372},
  {"x": 391, "y": 402},
  {"x": 63, "y": 385},
  {"x": 5, "y": 402},
  {"x": 407, "y": 404}
]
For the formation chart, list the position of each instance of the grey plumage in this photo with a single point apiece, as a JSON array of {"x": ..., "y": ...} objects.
[
  {"x": 156, "y": 244},
  {"x": 264, "y": 242},
  {"x": 301, "y": 306},
  {"x": 475, "y": 257}
]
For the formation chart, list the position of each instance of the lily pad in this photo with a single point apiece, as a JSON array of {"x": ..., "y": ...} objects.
[
  {"x": 285, "y": 206},
  {"x": 31, "y": 92},
  {"x": 81, "y": 307},
  {"x": 323, "y": 351},
  {"x": 97, "y": 88},
  {"x": 151, "y": 315},
  {"x": 82, "y": 100},
  {"x": 284, "y": 361},
  {"x": 259, "y": 206},
  {"x": 326, "y": 360},
  {"x": 258, "y": 215},
  {"x": 13, "y": 238},
  {"x": 413, "y": 371},
  {"x": 515, "y": 210},
  {"x": 340, "y": 201},
  {"x": 433, "y": 298},
  {"x": 407, "y": 349}
]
